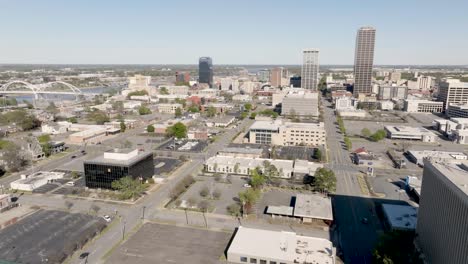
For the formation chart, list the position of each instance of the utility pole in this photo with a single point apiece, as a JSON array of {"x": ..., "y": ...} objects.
[
  {"x": 186, "y": 215},
  {"x": 143, "y": 216},
  {"x": 123, "y": 230}
]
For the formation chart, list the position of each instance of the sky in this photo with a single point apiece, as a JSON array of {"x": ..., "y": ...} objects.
[{"x": 409, "y": 32}]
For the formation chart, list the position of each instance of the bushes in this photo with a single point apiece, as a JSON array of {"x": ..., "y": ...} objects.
[
  {"x": 378, "y": 135},
  {"x": 181, "y": 187}
]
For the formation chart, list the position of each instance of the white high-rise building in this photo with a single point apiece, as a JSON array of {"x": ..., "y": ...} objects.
[{"x": 310, "y": 68}]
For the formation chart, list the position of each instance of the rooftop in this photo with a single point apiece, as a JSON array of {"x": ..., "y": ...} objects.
[
  {"x": 313, "y": 206},
  {"x": 403, "y": 217},
  {"x": 282, "y": 246},
  {"x": 455, "y": 173},
  {"x": 280, "y": 210},
  {"x": 446, "y": 155},
  {"x": 125, "y": 157},
  {"x": 407, "y": 130}
]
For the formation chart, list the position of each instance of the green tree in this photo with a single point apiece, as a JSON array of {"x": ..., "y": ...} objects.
[
  {"x": 143, "y": 110},
  {"x": 257, "y": 180},
  {"x": 211, "y": 111},
  {"x": 243, "y": 115},
  {"x": 150, "y": 128},
  {"x": 163, "y": 90},
  {"x": 236, "y": 168},
  {"x": 43, "y": 138},
  {"x": 348, "y": 143},
  {"x": 72, "y": 120},
  {"x": 318, "y": 154},
  {"x": 178, "y": 112},
  {"x": 178, "y": 130},
  {"x": 118, "y": 106},
  {"x": 98, "y": 116},
  {"x": 21, "y": 118},
  {"x": 253, "y": 115},
  {"x": 248, "y": 199},
  {"x": 325, "y": 180},
  {"x": 365, "y": 132},
  {"x": 138, "y": 93},
  {"x": 234, "y": 209},
  {"x": 123, "y": 127},
  {"x": 396, "y": 247},
  {"x": 378, "y": 135},
  {"x": 248, "y": 106},
  {"x": 128, "y": 188},
  {"x": 11, "y": 156},
  {"x": 194, "y": 109}
]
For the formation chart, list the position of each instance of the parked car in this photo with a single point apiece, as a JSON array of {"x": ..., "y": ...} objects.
[
  {"x": 70, "y": 183},
  {"x": 107, "y": 218},
  {"x": 247, "y": 185}
]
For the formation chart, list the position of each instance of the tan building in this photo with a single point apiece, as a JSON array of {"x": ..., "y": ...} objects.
[
  {"x": 300, "y": 104},
  {"x": 278, "y": 77},
  {"x": 442, "y": 230},
  {"x": 169, "y": 108},
  {"x": 453, "y": 91},
  {"x": 287, "y": 133}
]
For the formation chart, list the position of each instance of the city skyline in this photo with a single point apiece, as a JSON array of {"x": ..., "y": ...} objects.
[{"x": 136, "y": 33}]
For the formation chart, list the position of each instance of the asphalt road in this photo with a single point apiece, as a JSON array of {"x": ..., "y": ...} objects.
[{"x": 355, "y": 239}]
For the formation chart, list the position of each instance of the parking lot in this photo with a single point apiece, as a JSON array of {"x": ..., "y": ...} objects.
[
  {"x": 229, "y": 192},
  {"x": 156, "y": 243},
  {"x": 184, "y": 145},
  {"x": 165, "y": 165},
  {"x": 47, "y": 236}
]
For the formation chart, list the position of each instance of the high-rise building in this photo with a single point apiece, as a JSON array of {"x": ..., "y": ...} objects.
[
  {"x": 295, "y": 81},
  {"x": 205, "y": 70},
  {"x": 452, "y": 91},
  {"x": 442, "y": 231},
  {"x": 278, "y": 77},
  {"x": 182, "y": 77},
  {"x": 310, "y": 68},
  {"x": 425, "y": 82},
  {"x": 263, "y": 75},
  {"x": 364, "y": 60}
]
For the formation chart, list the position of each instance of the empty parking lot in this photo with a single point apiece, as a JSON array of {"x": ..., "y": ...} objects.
[
  {"x": 47, "y": 236},
  {"x": 156, "y": 243}
]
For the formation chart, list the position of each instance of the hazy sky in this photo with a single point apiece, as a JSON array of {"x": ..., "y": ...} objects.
[{"x": 230, "y": 31}]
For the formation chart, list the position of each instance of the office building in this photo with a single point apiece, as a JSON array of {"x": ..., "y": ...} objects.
[
  {"x": 287, "y": 133},
  {"x": 263, "y": 75},
  {"x": 279, "y": 77},
  {"x": 418, "y": 156},
  {"x": 442, "y": 230},
  {"x": 139, "y": 82},
  {"x": 453, "y": 91},
  {"x": 295, "y": 81},
  {"x": 310, "y": 69},
  {"x": 395, "y": 76},
  {"x": 364, "y": 60},
  {"x": 300, "y": 104},
  {"x": 425, "y": 82},
  {"x": 410, "y": 133},
  {"x": 169, "y": 108},
  {"x": 205, "y": 71},
  {"x": 457, "y": 110},
  {"x": 182, "y": 77},
  {"x": 389, "y": 92},
  {"x": 423, "y": 106},
  {"x": 115, "y": 164},
  {"x": 252, "y": 245}
]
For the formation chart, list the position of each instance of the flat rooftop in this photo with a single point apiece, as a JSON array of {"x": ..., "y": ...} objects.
[
  {"x": 420, "y": 154},
  {"x": 313, "y": 206},
  {"x": 120, "y": 157},
  {"x": 258, "y": 151},
  {"x": 281, "y": 246},
  {"x": 266, "y": 125},
  {"x": 280, "y": 210},
  {"x": 403, "y": 217},
  {"x": 407, "y": 130},
  {"x": 456, "y": 173}
]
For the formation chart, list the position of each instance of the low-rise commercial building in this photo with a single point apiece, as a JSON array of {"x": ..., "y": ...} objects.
[
  {"x": 278, "y": 247},
  {"x": 388, "y": 92},
  {"x": 287, "y": 133},
  {"x": 169, "y": 108},
  {"x": 245, "y": 165},
  {"x": 113, "y": 165},
  {"x": 386, "y": 105},
  {"x": 410, "y": 133},
  {"x": 400, "y": 217},
  {"x": 223, "y": 121},
  {"x": 300, "y": 104},
  {"x": 35, "y": 180},
  {"x": 418, "y": 156},
  {"x": 442, "y": 231},
  {"x": 423, "y": 106},
  {"x": 457, "y": 110}
]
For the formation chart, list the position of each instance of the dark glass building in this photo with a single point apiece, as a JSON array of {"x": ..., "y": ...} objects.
[
  {"x": 205, "y": 71},
  {"x": 101, "y": 171},
  {"x": 295, "y": 81}
]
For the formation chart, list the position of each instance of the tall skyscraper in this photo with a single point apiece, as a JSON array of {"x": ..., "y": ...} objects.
[
  {"x": 442, "y": 230},
  {"x": 310, "y": 67},
  {"x": 364, "y": 60},
  {"x": 278, "y": 77},
  {"x": 205, "y": 71}
]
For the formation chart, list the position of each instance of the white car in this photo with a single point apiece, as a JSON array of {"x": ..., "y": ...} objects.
[
  {"x": 70, "y": 183},
  {"x": 247, "y": 185},
  {"x": 107, "y": 218}
]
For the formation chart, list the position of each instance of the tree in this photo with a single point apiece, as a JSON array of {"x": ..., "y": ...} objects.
[
  {"x": 72, "y": 120},
  {"x": 318, "y": 154},
  {"x": 248, "y": 106},
  {"x": 12, "y": 157},
  {"x": 68, "y": 204},
  {"x": 378, "y": 135},
  {"x": 118, "y": 106},
  {"x": 248, "y": 198},
  {"x": 325, "y": 180},
  {"x": 234, "y": 209},
  {"x": 253, "y": 115},
  {"x": 257, "y": 180},
  {"x": 138, "y": 93},
  {"x": 236, "y": 168},
  {"x": 192, "y": 201},
  {"x": 178, "y": 112},
  {"x": 365, "y": 132},
  {"x": 128, "y": 188},
  {"x": 211, "y": 111},
  {"x": 204, "y": 205},
  {"x": 163, "y": 90},
  {"x": 216, "y": 194},
  {"x": 123, "y": 127},
  {"x": 204, "y": 191},
  {"x": 178, "y": 130},
  {"x": 194, "y": 109},
  {"x": 51, "y": 108},
  {"x": 243, "y": 115},
  {"x": 98, "y": 116},
  {"x": 143, "y": 110},
  {"x": 43, "y": 138},
  {"x": 150, "y": 129},
  {"x": 95, "y": 208},
  {"x": 396, "y": 247},
  {"x": 348, "y": 143}
]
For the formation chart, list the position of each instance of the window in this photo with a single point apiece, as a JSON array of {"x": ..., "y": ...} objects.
[
  {"x": 272, "y": 262},
  {"x": 253, "y": 260},
  {"x": 262, "y": 261},
  {"x": 243, "y": 259}
]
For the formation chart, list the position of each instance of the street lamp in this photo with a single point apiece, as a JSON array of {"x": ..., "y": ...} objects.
[{"x": 143, "y": 215}]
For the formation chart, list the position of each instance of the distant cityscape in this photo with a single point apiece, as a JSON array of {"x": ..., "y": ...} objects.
[{"x": 210, "y": 163}]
